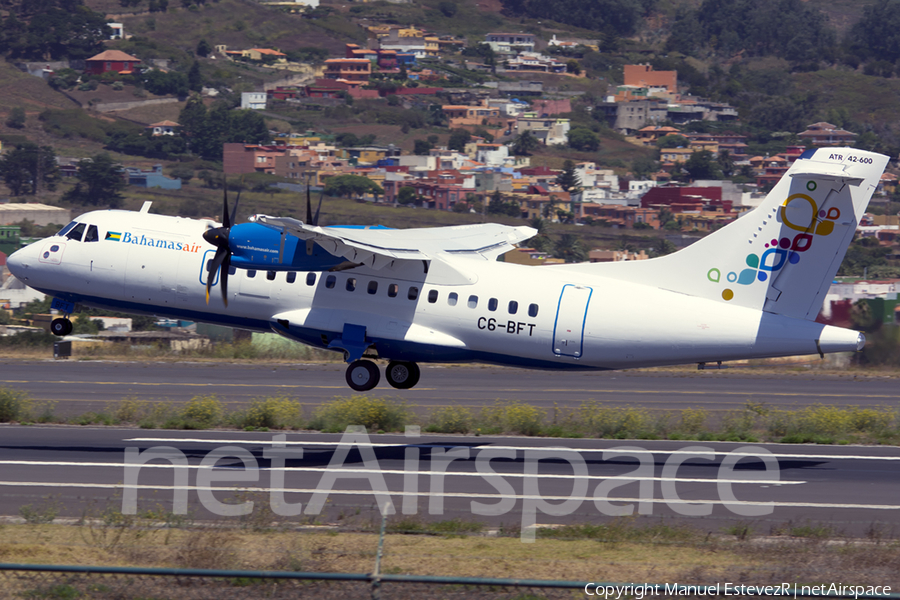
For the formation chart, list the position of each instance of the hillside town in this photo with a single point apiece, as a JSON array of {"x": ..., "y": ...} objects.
[{"x": 496, "y": 124}]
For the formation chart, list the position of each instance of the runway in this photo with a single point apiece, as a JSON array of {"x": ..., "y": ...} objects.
[
  {"x": 81, "y": 386},
  {"x": 500, "y": 481}
]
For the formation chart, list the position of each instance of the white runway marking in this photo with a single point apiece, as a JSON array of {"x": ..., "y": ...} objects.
[
  {"x": 42, "y": 463},
  {"x": 414, "y": 443},
  {"x": 119, "y": 486}
]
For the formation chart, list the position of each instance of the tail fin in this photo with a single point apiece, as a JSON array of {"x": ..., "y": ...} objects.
[{"x": 782, "y": 256}]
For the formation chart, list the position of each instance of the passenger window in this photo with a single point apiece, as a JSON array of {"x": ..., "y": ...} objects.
[
  {"x": 532, "y": 310},
  {"x": 351, "y": 284},
  {"x": 432, "y": 296},
  {"x": 492, "y": 304},
  {"x": 310, "y": 279},
  {"x": 513, "y": 307},
  {"x": 251, "y": 274},
  {"x": 92, "y": 234},
  {"x": 413, "y": 293},
  {"x": 291, "y": 277},
  {"x": 373, "y": 287},
  {"x": 75, "y": 234},
  {"x": 329, "y": 281},
  {"x": 452, "y": 298},
  {"x": 393, "y": 290},
  {"x": 270, "y": 275},
  {"x": 473, "y": 302}
]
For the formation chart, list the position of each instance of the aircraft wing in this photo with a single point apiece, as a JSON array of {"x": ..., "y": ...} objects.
[{"x": 380, "y": 247}]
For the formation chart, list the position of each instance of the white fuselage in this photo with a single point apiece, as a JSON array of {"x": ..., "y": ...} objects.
[{"x": 459, "y": 310}]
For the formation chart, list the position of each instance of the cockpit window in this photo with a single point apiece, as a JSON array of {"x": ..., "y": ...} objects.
[
  {"x": 92, "y": 234},
  {"x": 67, "y": 228},
  {"x": 77, "y": 233}
]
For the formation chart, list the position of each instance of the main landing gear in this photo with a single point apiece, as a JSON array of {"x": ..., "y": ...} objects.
[
  {"x": 61, "y": 326},
  {"x": 363, "y": 375}
]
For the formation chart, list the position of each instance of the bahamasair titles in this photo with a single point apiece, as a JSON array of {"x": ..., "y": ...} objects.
[{"x": 407, "y": 296}]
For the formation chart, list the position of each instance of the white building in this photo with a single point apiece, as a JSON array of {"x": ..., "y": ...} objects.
[{"x": 253, "y": 100}]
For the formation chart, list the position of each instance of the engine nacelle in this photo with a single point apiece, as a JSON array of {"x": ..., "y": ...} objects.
[{"x": 256, "y": 246}]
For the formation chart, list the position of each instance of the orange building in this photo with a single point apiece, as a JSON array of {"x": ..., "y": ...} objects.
[
  {"x": 645, "y": 76},
  {"x": 355, "y": 71}
]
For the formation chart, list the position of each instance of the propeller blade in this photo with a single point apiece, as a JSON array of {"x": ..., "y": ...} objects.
[
  {"x": 226, "y": 267},
  {"x": 236, "y": 202},
  {"x": 221, "y": 255},
  {"x": 315, "y": 220},
  {"x": 309, "y": 218},
  {"x": 226, "y": 222}
]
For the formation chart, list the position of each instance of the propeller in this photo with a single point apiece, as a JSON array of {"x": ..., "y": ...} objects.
[
  {"x": 218, "y": 237},
  {"x": 310, "y": 219}
]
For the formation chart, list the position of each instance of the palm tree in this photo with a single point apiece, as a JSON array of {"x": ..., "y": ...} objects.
[{"x": 569, "y": 248}]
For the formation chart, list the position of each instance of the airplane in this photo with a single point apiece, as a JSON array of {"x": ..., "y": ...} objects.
[{"x": 751, "y": 289}]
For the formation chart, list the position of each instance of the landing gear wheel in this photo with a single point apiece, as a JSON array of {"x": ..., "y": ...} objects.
[
  {"x": 61, "y": 327},
  {"x": 402, "y": 375},
  {"x": 362, "y": 375}
]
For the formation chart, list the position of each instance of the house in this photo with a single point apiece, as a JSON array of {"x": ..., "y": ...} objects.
[
  {"x": 253, "y": 100},
  {"x": 152, "y": 178},
  {"x": 459, "y": 115},
  {"x": 118, "y": 31},
  {"x": 353, "y": 71},
  {"x": 111, "y": 61},
  {"x": 550, "y": 131},
  {"x": 645, "y": 76},
  {"x": 510, "y": 43},
  {"x": 826, "y": 134},
  {"x": 162, "y": 128}
]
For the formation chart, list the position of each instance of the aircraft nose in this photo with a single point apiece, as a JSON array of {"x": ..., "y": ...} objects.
[{"x": 18, "y": 264}]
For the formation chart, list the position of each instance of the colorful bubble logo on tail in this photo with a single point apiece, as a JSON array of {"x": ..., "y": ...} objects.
[{"x": 800, "y": 213}]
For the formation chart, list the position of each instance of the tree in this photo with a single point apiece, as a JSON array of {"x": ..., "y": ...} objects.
[
  {"x": 702, "y": 165},
  {"x": 643, "y": 166},
  {"x": 568, "y": 179},
  {"x": 422, "y": 148},
  {"x": 501, "y": 206},
  {"x": 582, "y": 138},
  {"x": 28, "y": 166},
  {"x": 194, "y": 78},
  {"x": 183, "y": 172},
  {"x": 351, "y": 186},
  {"x": 203, "y": 48},
  {"x": 407, "y": 195},
  {"x": 16, "y": 118},
  {"x": 100, "y": 182},
  {"x": 458, "y": 140},
  {"x": 569, "y": 248},
  {"x": 673, "y": 140},
  {"x": 573, "y": 67},
  {"x": 525, "y": 143},
  {"x": 447, "y": 8}
]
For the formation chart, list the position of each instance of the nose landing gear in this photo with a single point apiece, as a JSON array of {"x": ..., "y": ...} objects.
[
  {"x": 61, "y": 326},
  {"x": 363, "y": 375}
]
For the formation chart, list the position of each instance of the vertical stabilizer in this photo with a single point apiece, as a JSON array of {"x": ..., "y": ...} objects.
[{"x": 782, "y": 256}]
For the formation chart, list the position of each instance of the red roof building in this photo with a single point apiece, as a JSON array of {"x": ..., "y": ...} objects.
[{"x": 111, "y": 61}]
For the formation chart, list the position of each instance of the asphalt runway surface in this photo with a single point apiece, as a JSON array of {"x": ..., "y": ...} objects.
[
  {"x": 501, "y": 481},
  {"x": 82, "y": 386}
]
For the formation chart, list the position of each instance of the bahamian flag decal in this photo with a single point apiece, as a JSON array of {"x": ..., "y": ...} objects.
[{"x": 114, "y": 236}]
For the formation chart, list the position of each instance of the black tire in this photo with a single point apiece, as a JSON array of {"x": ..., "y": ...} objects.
[
  {"x": 362, "y": 375},
  {"x": 402, "y": 375},
  {"x": 60, "y": 327}
]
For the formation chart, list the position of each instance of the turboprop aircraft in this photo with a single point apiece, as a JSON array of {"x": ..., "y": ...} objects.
[{"x": 749, "y": 290}]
